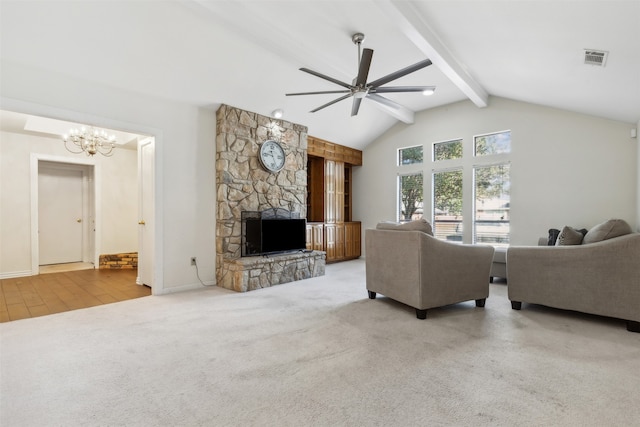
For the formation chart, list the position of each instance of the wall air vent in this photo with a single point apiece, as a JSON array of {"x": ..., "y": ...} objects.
[{"x": 595, "y": 57}]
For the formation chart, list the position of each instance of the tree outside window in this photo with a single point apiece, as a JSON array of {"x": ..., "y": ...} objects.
[
  {"x": 411, "y": 197},
  {"x": 447, "y": 205},
  {"x": 447, "y": 150},
  {"x": 493, "y": 143},
  {"x": 410, "y": 156},
  {"x": 492, "y": 204}
]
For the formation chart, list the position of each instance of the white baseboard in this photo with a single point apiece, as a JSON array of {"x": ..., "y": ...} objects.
[
  {"x": 13, "y": 274},
  {"x": 183, "y": 288}
]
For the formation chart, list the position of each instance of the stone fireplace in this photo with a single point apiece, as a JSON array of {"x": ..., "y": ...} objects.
[{"x": 243, "y": 185}]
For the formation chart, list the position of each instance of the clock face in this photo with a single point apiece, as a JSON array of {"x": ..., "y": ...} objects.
[{"x": 272, "y": 156}]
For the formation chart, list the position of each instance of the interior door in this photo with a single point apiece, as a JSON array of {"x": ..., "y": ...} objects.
[
  {"x": 60, "y": 214},
  {"x": 146, "y": 152}
]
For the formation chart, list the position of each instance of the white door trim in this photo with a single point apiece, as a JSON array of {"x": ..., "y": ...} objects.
[{"x": 34, "y": 171}]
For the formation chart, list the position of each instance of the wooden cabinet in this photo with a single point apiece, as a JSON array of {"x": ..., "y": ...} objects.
[
  {"x": 341, "y": 241},
  {"x": 329, "y": 179}
]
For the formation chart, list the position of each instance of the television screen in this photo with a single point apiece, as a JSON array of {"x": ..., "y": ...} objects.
[
  {"x": 270, "y": 236},
  {"x": 283, "y": 235}
]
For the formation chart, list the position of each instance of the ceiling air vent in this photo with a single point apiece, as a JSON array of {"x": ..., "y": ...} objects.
[{"x": 595, "y": 57}]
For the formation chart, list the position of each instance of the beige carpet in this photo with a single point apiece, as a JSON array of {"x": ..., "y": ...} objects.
[{"x": 317, "y": 353}]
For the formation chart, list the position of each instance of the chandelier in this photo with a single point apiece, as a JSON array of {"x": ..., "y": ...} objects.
[{"x": 90, "y": 141}]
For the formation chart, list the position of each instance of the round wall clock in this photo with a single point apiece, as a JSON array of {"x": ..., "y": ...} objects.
[{"x": 271, "y": 155}]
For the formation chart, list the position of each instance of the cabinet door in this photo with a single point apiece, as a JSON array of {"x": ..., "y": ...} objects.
[
  {"x": 340, "y": 241},
  {"x": 318, "y": 237},
  {"x": 309, "y": 238},
  {"x": 315, "y": 239},
  {"x": 330, "y": 191},
  {"x": 339, "y": 186},
  {"x": 352, "y": 240},
  {"x": 330, "y": 241}
]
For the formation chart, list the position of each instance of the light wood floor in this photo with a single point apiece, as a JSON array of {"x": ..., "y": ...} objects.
[{"x": 34, "y": 296}]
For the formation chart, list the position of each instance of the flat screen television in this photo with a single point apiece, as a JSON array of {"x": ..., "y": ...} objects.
[{"x": 273, "y": 236}]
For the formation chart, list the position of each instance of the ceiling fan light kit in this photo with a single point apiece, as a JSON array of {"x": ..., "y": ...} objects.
[{"x": 360, "y": 89}]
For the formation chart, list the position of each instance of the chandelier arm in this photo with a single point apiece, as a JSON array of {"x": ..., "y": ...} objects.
[{"x": 66, "y": 141}]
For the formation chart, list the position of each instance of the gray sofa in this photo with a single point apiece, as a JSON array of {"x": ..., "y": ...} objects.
[
  {"x": 601, "y": 278},
  {"x": 417, "y": 269}
]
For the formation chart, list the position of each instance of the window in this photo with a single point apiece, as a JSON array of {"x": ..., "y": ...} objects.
[
  {"x": 492, "y": 203},
  {"x": 493, "y": 143},
  {"x": 447, "y": 205},
  {"x": 410, "y": 156},
  {"x": 447, "y": 150},
  {"x": 410, "y": 194}
]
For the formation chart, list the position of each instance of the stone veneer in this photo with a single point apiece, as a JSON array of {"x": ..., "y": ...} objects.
[
  {"x": 251, "y": 273},
  {"x": 243, "y": 185},
  {"x": 119, "y": 261}
]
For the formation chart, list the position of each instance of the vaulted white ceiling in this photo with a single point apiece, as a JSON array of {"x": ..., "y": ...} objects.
[{"x": 247, "y": 53}]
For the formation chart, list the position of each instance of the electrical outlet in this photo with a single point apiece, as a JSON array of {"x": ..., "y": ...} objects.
[{"x": 193, "y": 260}]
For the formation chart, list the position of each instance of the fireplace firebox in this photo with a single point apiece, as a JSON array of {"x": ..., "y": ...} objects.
[{"x": 272, "y": 231}]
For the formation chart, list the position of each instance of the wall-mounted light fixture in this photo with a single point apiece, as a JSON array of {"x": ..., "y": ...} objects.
[{"x": 277, "y": 114}]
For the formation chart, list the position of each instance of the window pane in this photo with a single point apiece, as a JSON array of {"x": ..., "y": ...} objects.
[
  {"x": 447, "y": 205},
  {"x": 411, "y": 155},
  {"x": 494, "y": 143},
  {"x": 411, "y": 202},
  {"x": 447, "y": 150},
  {"x": 492, "y": 189}
]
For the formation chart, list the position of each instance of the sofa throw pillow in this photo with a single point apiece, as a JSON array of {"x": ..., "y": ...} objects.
[
  {"x": 569, "y": 236},
  {"x": 417, "y": 225},
  {"x": 607, "y": 230},
  {"x": 553, "y": 236}
]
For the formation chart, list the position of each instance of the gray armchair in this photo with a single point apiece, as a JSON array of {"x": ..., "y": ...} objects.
[{"x": 417, "y": 269}]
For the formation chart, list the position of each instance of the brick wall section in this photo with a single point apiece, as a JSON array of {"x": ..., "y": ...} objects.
[{"x": 119, "y": 261}]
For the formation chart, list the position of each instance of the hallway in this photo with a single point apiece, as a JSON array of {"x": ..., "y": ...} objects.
[{"x": 33, "y": 296}]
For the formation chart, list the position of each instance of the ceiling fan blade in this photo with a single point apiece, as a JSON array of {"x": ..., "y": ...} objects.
[
  {"x": 356, "y": 106},
  {"x": 393, "y": 76},
  {"x": 322, "y": 76},
  {"x": 391, "y": 89},
  {"x": 331, "y": 103},
  {"x": 317, "y": 93},
  {"x": 363, "y": 71},
  {"x": 393, "y": 108}
]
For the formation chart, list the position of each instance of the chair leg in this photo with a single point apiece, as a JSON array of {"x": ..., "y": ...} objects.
[
  {"x": 516, "y": 305},
  {"x": 480, "y": 302},
  {"x": 372, "y": 295},
  {"x": 633, "y": 326},
  {"x": 421, "y": 314}
]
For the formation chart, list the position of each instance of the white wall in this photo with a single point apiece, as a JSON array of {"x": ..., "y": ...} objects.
[
  {"x": 566, "y": 168},
  {"x": 118, "y": 182},
  {"x": 185, "y": 152},
  {"x": 637, "y": 141}
]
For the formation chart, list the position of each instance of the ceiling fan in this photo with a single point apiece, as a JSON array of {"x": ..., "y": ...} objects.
[{"x": 360, "y": 89}]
